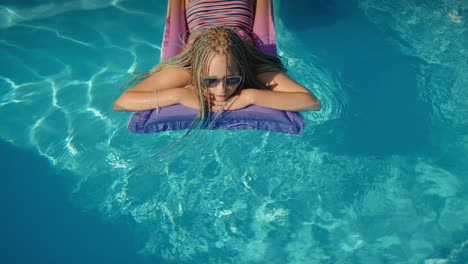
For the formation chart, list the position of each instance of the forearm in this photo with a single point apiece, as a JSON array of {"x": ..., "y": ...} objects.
[
  {"x": 139, "y": 101},
  {"x": 289, "y": 101}
]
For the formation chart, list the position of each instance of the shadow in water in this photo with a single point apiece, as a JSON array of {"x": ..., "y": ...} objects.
[{"x": 39, "y": 225}]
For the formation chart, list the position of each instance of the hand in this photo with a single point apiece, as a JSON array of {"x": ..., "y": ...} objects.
[{"x": 238, "y": 101}]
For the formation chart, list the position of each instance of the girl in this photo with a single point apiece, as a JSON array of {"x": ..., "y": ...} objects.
[{"x": 218, "y": 69}]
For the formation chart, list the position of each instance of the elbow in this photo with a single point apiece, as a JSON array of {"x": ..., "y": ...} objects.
[
  {"x": 314, "y": 105},
  {"x": 117, "y": 106}
]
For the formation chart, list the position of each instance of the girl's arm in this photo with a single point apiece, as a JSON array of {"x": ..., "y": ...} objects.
[
  {"x": 166, "y": 87},
  {"x": 285, "y": 94}
]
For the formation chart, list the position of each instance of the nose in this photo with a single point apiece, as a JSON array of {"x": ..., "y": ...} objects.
[{"x": 220, "y": 88}]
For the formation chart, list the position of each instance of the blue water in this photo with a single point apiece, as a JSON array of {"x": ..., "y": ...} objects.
[
  {"x": 40, "y": 225},
  {"x": 378, "y": 176}
]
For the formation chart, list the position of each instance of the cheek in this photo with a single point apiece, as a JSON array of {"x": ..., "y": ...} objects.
[
  {"x": 233, "y": 89},
  {"x": 230, "y": 91}
]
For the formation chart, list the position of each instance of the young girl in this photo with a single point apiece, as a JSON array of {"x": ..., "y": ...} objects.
[{"x": 218, "y": 69}]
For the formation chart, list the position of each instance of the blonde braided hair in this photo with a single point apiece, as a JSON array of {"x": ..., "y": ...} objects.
[{"x": 203, "y": 45}]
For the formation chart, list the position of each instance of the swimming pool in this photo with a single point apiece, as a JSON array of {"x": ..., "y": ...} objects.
[{"x": 378, "y": 176}]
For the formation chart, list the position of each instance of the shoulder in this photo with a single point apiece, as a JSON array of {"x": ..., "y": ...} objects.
[
  {"x": 266, "y": 77},
  {"x": 280, "y": 82},
  {"x": 166, "y": 78},
  {"x": 172, "y": 76},
  {"x": 173, "y": 73}
]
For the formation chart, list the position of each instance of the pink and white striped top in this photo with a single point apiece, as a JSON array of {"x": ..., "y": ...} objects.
[{"x": 237, "y": 14}]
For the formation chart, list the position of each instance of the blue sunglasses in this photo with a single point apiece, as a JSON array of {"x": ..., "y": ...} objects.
[{"x": 212, "y": 82}]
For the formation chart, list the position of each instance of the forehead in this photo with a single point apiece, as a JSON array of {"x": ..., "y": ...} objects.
[{"x": 222, "y": 65}]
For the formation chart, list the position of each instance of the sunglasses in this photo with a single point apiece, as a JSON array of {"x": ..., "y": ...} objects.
[{"x": 212, "y": 82}]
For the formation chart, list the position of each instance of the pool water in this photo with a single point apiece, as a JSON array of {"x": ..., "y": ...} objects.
[{"x": 378, "y": 176}]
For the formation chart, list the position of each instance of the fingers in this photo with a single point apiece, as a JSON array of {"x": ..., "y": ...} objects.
[
  {"x": 218, "y": 103},
  {"x": 227, "y": 105}
]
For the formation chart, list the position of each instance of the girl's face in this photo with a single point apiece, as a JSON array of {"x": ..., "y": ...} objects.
[{"x": 223, "y": 77}]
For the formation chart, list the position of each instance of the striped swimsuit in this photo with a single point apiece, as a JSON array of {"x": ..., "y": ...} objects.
[{"x": 236, "y": 14}]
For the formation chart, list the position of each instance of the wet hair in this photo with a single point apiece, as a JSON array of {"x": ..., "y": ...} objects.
[{"x": 203, "y": 45}]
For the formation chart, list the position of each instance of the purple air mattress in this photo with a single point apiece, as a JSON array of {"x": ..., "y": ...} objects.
[{"x": 178, "y": 117}]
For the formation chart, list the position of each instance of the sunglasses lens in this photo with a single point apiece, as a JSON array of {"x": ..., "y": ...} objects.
[
  {"x": 210, "y": 82},
  {"x": 213, "y": 82},
  {"x": 233, "y": 80}
]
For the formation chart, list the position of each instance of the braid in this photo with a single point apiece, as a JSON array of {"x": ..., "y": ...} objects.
[{"x": 203, "y": 45}]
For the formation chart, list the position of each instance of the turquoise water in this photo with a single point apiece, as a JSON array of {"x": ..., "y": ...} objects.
[{"x": 378, "y": 176}]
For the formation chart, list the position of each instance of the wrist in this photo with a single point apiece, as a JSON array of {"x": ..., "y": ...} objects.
[{"x": 251, "y": 95}]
